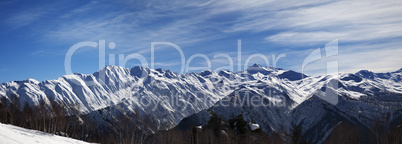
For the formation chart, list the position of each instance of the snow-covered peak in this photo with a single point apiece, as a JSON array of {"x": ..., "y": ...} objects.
[
  {"x": 349, "y": 77},
  {"x": 227, "y": 74},
  {"x": 398, "y": 71},
  {"x": 160, "y": 70},
  {"x": 292, "y": 75},
  {"x": 256, "y": 65},
  {"x": 111, "y": 70},
  {"x": 206, "y": 73},
  {"x": 366, "y": 74},
  {"x": 140, "y": 72},
  {"x": 256, "y": 68},
  {"x": 33, "y": 81}
]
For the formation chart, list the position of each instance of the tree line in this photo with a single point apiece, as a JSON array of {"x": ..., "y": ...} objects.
[
  {"x": 66, "y": 120},
  {"x": 130, "y": 128}
]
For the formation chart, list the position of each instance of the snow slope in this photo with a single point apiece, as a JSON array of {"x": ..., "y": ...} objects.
[{"x": 10, "y": 134}]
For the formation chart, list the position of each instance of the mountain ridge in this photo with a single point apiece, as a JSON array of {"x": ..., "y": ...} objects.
[{"x": 167, "y": 97}]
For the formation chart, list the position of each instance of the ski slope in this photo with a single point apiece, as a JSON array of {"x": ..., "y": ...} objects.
[{"x": 10, "y": 134}]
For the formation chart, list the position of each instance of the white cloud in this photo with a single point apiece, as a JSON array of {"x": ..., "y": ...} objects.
[
  {"x": 380, "y": 57},
  {"x": 373, "y": 24},
  {"x": 375, "y": 57},
  {"x": 299, "y": 21},
  {"x": 24, "y": 18},
  {"x": 350, "y": 21},
  {"x": 303, "y": 38}
]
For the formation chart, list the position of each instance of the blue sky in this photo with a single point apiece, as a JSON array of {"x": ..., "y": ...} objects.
[{"x": 35, "y": 36}]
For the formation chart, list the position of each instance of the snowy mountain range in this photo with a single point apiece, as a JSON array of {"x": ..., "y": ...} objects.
[
  {"x": 362, "y": 99},
  {"x": 272, "y": 97}
]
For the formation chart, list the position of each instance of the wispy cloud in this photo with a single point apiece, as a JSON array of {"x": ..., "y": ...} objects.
[
  {"x": 299, "y": 22},
  {"x": 24, "y": 18},
  {"x": 350, "y": 21},
  {"x": 167, "y": 63},
  {"x": 133, "y": 28},
  {"x": 364, "y": 28},
  {"x": 378, "y": 57}
]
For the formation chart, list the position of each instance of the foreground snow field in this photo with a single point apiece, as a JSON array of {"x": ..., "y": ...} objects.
[{"x": 10, "y": 134}]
